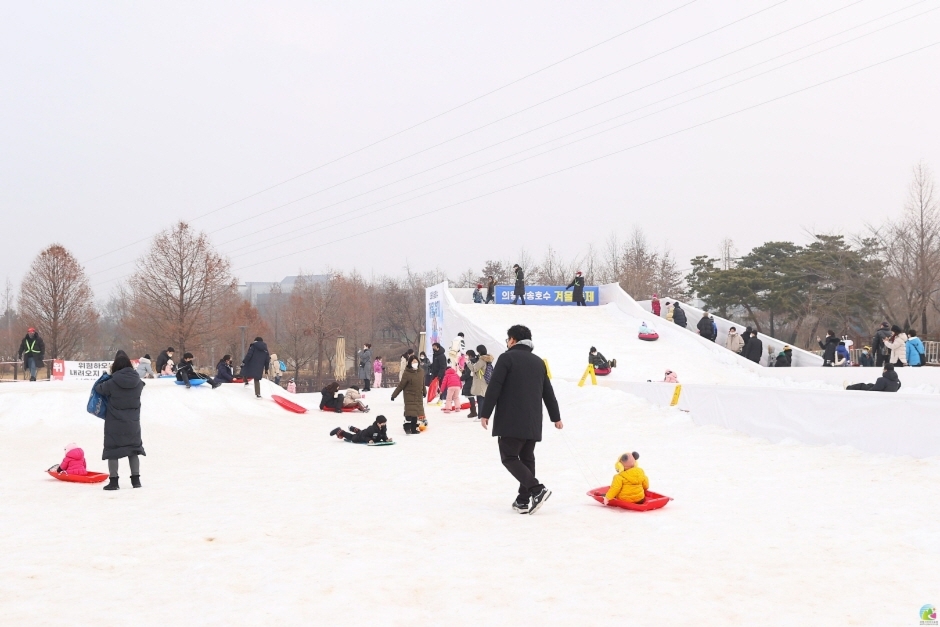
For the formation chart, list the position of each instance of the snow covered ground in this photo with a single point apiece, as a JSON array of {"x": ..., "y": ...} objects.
[{"x": 252, "y": 515}]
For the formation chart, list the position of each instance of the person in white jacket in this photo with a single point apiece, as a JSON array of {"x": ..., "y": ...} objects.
[
  {"x": 735, "y": 342},
  {"x": 457, "y": 348},
  {"x": 897, "y": 343},
  {"x": 144, "y": 369}
]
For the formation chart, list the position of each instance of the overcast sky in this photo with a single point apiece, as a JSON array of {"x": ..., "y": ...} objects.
[{"x": 120, "y": 118}]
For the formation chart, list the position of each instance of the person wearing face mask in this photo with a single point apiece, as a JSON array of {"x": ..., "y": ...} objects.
[{"x": 411, "y": 387}]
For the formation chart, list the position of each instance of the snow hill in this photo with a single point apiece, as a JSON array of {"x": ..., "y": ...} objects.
[{"x": 252, "y": 515}]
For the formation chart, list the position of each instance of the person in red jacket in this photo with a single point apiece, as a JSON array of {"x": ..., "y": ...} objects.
[
  {"x": 451, "y": 387},
  {"x": 74, "y": 461},
  {"x": 657, "y": 308}
]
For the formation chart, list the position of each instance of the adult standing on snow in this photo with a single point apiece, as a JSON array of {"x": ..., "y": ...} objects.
[
  {"x": 32, "y": 349},
  {"x": 678, "y": 315},
  {"x": 656, "y": 306},
  {"x": 897, "y": 345},
  {"x": 411, "y": 386},
  {"x": 829, "y": 347},
  {"x": 519, "y": 290},
  {"x": 364, "y": 361},
  {"x": 578, "y": 294},
  {"x": 878, "y": 347},
  {"x": 517, "y": 388},
  {"x": 162, "y": 359},
  {"x": 490, "y": 291},
  {"x": 753, "y": 348},
  {"x": 735, "y": 342},
  {"x": 256, "y": 362},
  {"x": 705, "y": 327},
  {"x": 480, "y": 367},
  {"x": 458, "y": 347},
  {"x": 122, "y": 419}
]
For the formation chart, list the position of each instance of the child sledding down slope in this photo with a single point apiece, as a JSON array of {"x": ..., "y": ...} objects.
[
  {"x": 630, "y": 482},
  {"x": 74, "y": 461},
  {"x": 373, "y": 433}
]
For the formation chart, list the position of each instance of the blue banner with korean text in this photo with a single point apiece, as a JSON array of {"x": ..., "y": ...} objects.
[{"x": 547, "y": 295}]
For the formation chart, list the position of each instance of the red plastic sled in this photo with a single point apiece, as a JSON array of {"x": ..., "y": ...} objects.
[
  {"x": 653, "y": 500},
  {"x": 649, "y": 337},
  {"x": 602, "y": 372},
  {"x": 288, "y": 405},
  {"x": 92, "y": 477},
  {"x": 432, "y": 391},
  {"x": 462, "y": 406}
]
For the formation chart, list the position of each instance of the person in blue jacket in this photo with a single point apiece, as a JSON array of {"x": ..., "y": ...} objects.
[
  {"x": 843, "y": 357},
  {"x": 914, "y": 349}
]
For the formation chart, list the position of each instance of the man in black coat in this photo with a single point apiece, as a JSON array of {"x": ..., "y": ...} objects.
[
  {"x": 519, "y": 288},
  {"x": 829, "y": 347},
  {"x": 256, "y": 363},
  {"x": 438, "y": 363},
  {"x": 162, "y": 360},
  {"x": 32, "y": 350},
  {"x": 705, "y": 327},
  {"x": 753, "y": 348},
  {"x": 517, "y": 388},
  {"x": 882, "y": 352},
  {"x": 186, "y": 372},
  {"x": 578, "y": 294},
  {"x": 678, "y": 315}
]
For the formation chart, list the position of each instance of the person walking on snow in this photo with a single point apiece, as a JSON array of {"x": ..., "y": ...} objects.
[
  {"x": 735, "y": 342},
  {"x": 365, "y": 366},
  {"x": 829, "y": 347},
  {"x": 519, "y": 289},
  {"x": 753, "y": 348},
  {"x": 482, "y": 369},
  {"x": 705, "y": 327},
  {"x": 32, "y": 349},
  {"x": 122, "y": 419},
  {"x": 477, "y": 294},
  {"x": 377, "y": 369},
  {"x": 438, "y": 365},
  {"x": 256, "y": 362},
  {"x": 656, "y": 306},
  {"x": 669, "y": 312},
  {"x": 678, "y": 315},
  {"x": 577, "y": 296},
  {"x": 490, "y": 291},
  {"x": 411, "y": 387},
  {"x": 518, "y": 387}
]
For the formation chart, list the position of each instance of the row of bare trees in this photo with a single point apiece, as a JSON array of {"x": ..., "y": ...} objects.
[{"x": 183, "y": 294}]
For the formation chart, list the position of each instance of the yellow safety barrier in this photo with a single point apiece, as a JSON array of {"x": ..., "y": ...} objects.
[
  {"x": 675, "y": 395},
  {"x": 588, "y": 372}
]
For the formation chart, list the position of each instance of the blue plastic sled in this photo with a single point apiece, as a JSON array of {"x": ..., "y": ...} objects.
[{"x": 191, "y": 382}]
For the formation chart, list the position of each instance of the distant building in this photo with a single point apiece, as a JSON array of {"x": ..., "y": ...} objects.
[{"x": 262, "y": 293}]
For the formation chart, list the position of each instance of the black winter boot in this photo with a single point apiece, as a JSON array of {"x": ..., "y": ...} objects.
[
  {"x": 135, "y": 481},
  {"x": 112, "y": 484}
]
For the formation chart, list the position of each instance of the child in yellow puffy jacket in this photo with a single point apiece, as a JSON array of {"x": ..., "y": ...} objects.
[{"x": 630, "y": 482}]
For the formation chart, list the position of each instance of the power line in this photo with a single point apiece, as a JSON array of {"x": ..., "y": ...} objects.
[
  {"x": 699, "y": 86},
  {"x": 605, "y": 156},
  {"x": 633, "y": 91},
  {"x": 504, "y": 118},
  {"x": 414, "y": 126},
  {"x": 295, "y": 235}
]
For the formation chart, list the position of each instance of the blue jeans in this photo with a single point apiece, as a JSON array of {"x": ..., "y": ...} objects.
[{"x": 32, "y": 367}]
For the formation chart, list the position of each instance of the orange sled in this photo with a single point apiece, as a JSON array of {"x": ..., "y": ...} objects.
[
  {"x": 652, "y": 501},
  {"x": 92, "y": 477}
]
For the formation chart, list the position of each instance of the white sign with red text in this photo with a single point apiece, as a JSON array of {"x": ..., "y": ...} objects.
[{"x": 80, "y": 370}]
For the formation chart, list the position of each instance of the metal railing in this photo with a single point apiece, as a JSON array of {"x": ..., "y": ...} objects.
[
  {"x": 931, "y": 349},
  {"x": 14, "y": 371}
]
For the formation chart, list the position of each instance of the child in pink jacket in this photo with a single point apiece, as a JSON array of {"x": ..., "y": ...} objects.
[
  {"x": 377, "y": 371},
  {"x": 451, "y": 386},
  {"x": 74, "y": 462}
]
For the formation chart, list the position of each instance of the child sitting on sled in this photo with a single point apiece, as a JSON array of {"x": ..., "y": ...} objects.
[
  {"x": 630, "y": 482},
  {"x": 373, "y": 433},
  {"x": 353, "y": 398},
  {"x": 74, "y": 461}
]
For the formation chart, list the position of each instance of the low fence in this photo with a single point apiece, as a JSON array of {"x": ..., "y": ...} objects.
[
  {"x": 932, "y": 350},
  {"x": 13, "y": 371}
]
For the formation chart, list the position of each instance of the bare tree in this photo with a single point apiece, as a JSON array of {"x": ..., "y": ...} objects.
[
  {"x": 55, "y": 297},
  {"x": 728, "y": 254},
  {"x": 179, "y": 288},
  {"x": 912, "y": 253},
  {"x": 9, "y": 324}
]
